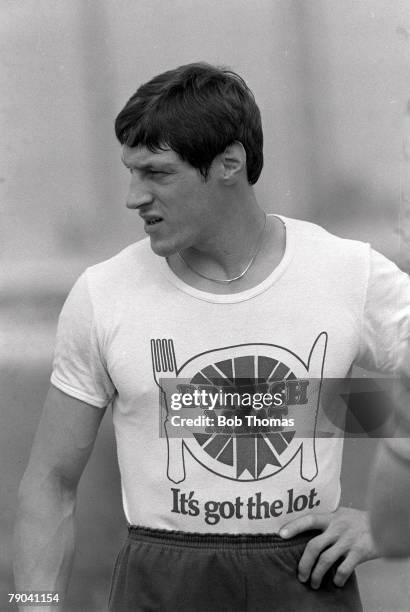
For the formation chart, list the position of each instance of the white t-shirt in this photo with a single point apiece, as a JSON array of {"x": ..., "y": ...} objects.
[{"x": 129, "y": 322}]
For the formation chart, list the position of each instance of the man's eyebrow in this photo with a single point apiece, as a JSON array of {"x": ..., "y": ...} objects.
[{"x": 163, "y": 165}]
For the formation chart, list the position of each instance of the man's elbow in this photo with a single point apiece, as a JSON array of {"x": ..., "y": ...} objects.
[
  {"x": 390, "y": 538},
  {"x": 43, "y": 493},
  {"x": 389, "y": 504}
]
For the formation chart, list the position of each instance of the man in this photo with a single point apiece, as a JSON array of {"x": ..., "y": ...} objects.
[{"x": 220, "y": 298}]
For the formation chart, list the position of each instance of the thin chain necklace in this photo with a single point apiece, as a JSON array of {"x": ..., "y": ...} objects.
[{"x": 229, "y": 280}]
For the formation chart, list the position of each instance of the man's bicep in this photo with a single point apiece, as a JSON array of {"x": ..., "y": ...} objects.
[{"x": 65, "y": 437}]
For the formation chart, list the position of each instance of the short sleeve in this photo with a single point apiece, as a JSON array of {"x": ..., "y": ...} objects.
[
  {"x": 78, "y": 366},
  {"x": 385, "y": 338}
]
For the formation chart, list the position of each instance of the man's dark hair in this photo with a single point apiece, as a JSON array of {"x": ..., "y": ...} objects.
[{"x": 197, "y": 110}]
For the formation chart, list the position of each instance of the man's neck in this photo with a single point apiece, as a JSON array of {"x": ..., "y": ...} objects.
[
  {"x": 227, "y": 255},
  {"x": 227, "y": 251}
]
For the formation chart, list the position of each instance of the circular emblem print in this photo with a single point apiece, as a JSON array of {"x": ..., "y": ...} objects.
[{"x": 238, "y": 454}]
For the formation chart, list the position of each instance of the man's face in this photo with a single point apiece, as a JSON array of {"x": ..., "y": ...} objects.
[{"x": 178, "y": 207}]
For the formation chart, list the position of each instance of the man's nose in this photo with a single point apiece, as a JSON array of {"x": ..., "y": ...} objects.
[{"x": 138, "y": 194}]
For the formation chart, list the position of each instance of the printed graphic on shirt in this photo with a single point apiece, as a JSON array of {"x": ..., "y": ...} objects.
[
  {"x": 253, "y": 508},
  {"x": 245, "y": 449}
]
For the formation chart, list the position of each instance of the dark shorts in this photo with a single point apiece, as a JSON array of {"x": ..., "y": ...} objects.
[{"x": 170, "y": 571}]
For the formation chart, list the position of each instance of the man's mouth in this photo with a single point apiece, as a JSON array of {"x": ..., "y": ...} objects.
[{"x": 153, "y": 221}]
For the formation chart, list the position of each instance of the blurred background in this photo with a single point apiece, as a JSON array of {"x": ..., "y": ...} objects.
[{"x": 332, "y": 81}]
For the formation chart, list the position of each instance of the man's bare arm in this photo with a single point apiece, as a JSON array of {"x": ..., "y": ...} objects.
[
  {"x": 389, "y": 502},
  {"x": 44, "y": 533},
  {"x": 390, "y": 486}
]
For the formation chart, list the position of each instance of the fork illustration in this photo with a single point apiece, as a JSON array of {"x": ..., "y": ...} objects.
[{"x": 164, "y": 363}]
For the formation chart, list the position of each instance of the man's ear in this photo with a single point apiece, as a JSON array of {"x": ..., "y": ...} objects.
[{"x": 233, "y": 162}]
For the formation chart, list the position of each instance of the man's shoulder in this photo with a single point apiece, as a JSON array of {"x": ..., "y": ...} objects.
[
  {"x": 312, "y": 236},
  {"x": 135, "y": 266},
  {"x": 131, "y": 260},
  {"x": 312, "y": 230}
]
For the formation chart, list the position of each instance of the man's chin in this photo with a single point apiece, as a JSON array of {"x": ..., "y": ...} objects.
[{"x": 162, "y": 249}]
